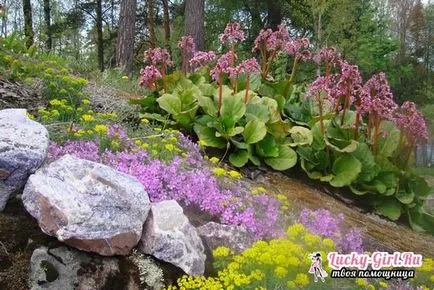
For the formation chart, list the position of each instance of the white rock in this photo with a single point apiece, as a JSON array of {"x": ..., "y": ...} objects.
[
  {"x": 23, "y": 147},
  {"x": 169, "y": 236},
  {"x": 88, "y": 205}
]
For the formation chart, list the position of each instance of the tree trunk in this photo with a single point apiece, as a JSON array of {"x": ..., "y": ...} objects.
[
  {"x": 274, "y": 13},
  {"x": 194, "y": 24},
  {"x": 166, "y": 21},
  {"x": 47, "y": 18},
  {"x": 151, "y": 23},
  {"x": 28, "y": 23},
  {"x": 125, "y": 41},
  {"x": 100, "y": 40}
]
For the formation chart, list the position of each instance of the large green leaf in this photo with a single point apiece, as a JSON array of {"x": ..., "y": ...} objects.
[
  {"x": 287, "y": 158},
  {"x": 301, "y": 136},
  {"x": 391, "y": 208},
  {"x": 405, "y": 197},
  {"x": 388, "y": 141},
  {"x": 239, "y": 158},
  {"x": 279, "y": 129},
  {"x": 257, "y": 111},
  {"x": 346, "y": 170},
  {"x": 170, "y": 104},
  {"x": 254, "y": 131},
  {"x": 233, "y": 109},
  {"x": 207, "y": 134},
  {"x": 369, "y": 168},
  {"x": 208, "y": 105},
  {"x": 421, "y": 220},
  {"x": 267, "y": 147}
]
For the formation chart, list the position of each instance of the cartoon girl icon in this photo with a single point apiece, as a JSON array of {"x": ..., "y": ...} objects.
[{"x": 316, "y": 267}]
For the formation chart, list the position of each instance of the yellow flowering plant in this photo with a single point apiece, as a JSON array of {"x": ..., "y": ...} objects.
[{"x": 278, "y": 264}]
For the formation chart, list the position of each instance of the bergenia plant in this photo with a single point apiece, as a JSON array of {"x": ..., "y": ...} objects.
[
  {"x": 377, "y": 102},
  {"x": 412, "y": 125},
  {"x": 269, "y": 44},
  {"x": 188, "y": 48},
  {"x": 224, "y": 65},
  {"x": 202, "y": 59},
  {"x": 158, "y": 57}
]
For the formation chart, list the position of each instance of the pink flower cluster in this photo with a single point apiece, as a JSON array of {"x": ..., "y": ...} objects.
[
  {"x": 271, "y": 41},
  {"x": 376, "y": 97},
  {"x": 298, "y": 48},
  {"x": 186, "y": 43},
  {"x": 345, "y": 84},
  {"x": 202, "y": 58},
  {"x": 248, "y": 67},
  {"x": 148, "y": 76},
  {"x": 328, "y": 55},
  {"x": 410, "y": 121},
  {"x": 232, "y": 34},
  {"x": 224, "y": 65},
  {"x": 157, "y": 56}
]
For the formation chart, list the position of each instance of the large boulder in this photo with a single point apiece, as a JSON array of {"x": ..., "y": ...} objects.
[
  {"x": 68, "y": 269},
  {"x": 88, "y": 205},
  {"x": 169, "y": 236},
  {"x": 23, "y": 147},
  {"x": 215, "y": 235}
]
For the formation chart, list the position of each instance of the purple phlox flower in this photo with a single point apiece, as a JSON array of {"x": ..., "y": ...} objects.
[
  {"x": 157, "y": 56},
  {"x": 232, "y": 34},
  {"x": 224, "y": 65},
  {"x": 148, "y": 76},
  {"x": 411, "y": 121},
  {"x": 202, "y": 58}
]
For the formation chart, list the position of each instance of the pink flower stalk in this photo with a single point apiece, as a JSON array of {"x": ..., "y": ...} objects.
[
  {"x": 157, "y": 56},
  {"x": 411, "y": 123},
  {"x": 328, "y": 55},
  {"x": 188, "y": 47},
  {"x": 298, "y": 48},
  {"x": 380, "y": 98},
  {"x": 148, "y": 76},
  {"x": 202, "y": 58},
  {"x": 187, "y": 43},
  {"x": 269, "y": 44},
  {"x": 377, "y": 101},
  {"x": 232, "y": 34},
  {"x": 224, "y": 65},
  {"x": 248, "y": 67}
]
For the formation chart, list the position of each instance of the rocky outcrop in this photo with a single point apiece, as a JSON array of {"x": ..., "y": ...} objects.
[
  {"x": 23, "y": 147},
  {"x": 68, "y": 269},
  {"x": 88, "y": 205},
  {"x": 18, "y": 95},
  {"x": 216, "y": 235},
  {"x": 169, "y": 236}
]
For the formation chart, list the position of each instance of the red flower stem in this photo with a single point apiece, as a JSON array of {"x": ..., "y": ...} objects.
[
  {"x": 291, "y": 78},
  {"x": 220, "y": 94},
  {"x": 246, "y": 97},
  {"x": 163, "y": 76}
]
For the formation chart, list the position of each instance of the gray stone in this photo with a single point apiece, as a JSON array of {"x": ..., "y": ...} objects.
[
  {"x": 23, "y": 147},
  {"x": 169, "y": 236},
  {"x": 68, "y": 269},
  {"x": 88, "y": 205},
  {"x": 215, "y": 235},
  {"x": 150, "y": 274}
]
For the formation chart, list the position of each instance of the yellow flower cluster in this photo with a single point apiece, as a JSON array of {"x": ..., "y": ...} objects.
[
  {"x": 219, "y": 171},
  {"x": 283, "y": 262}
]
